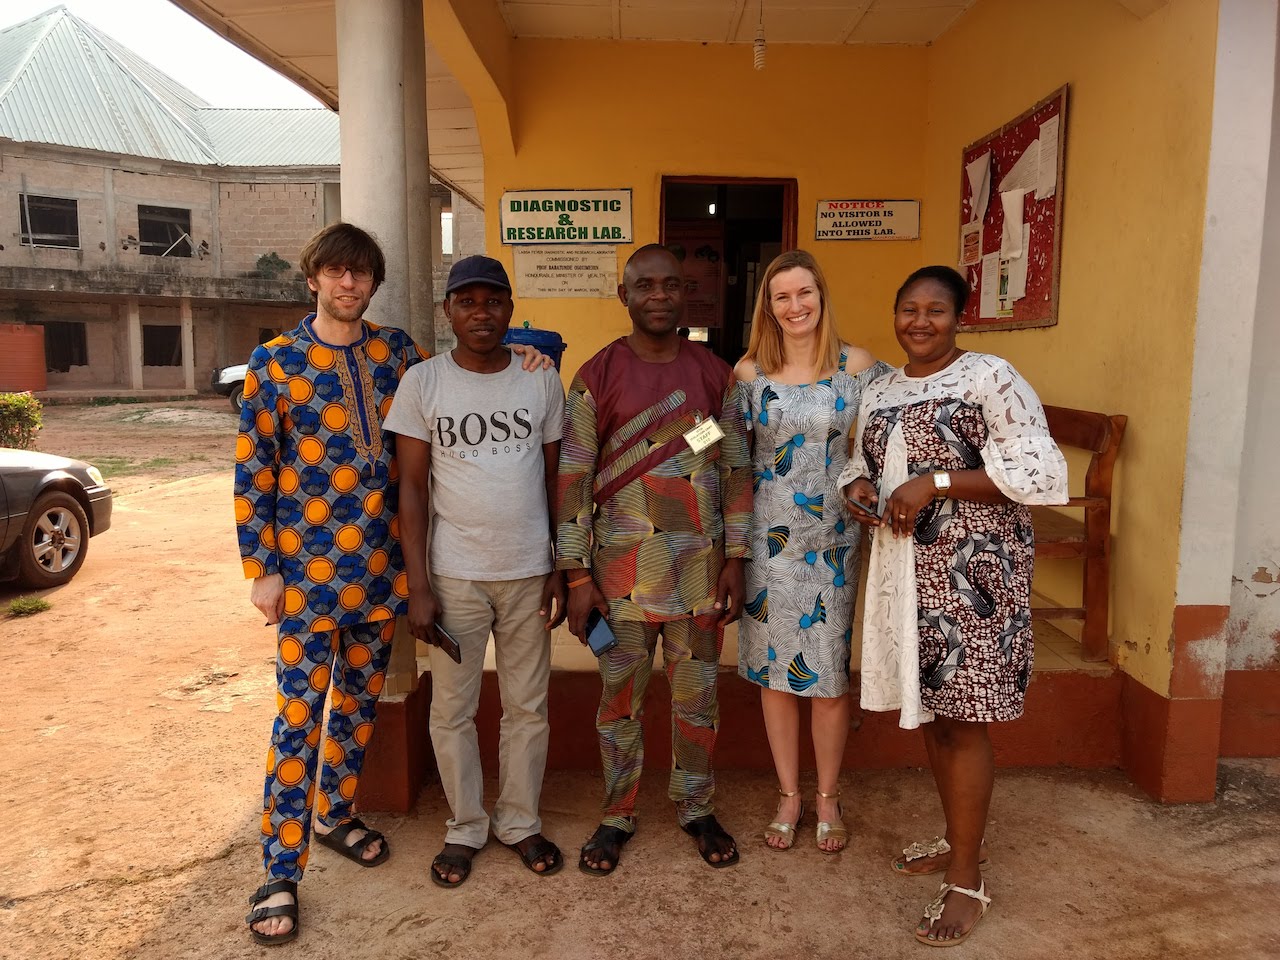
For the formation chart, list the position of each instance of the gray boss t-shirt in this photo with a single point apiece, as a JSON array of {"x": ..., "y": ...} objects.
[{"x": 488, "y": 489}]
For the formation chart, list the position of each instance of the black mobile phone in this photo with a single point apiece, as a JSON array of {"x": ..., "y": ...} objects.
[
  {"x": 599, "y": 637},
  {"x": 448, "y": 644},
  {"x": 859, "y": 505}
]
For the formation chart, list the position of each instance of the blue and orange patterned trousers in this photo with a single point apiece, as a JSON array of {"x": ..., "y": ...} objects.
[
  {"x": 691, "y": 652},
  {"x": 353, "y": 660}
]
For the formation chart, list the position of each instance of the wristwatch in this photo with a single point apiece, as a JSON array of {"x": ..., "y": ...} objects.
[{"x": 941, "y": 483}]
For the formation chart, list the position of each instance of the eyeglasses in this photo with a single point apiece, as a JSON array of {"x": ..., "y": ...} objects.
[{"x": 336, "y": 272}]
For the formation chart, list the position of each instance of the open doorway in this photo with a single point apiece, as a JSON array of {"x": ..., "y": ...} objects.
[{"x": 726, "y": 230}]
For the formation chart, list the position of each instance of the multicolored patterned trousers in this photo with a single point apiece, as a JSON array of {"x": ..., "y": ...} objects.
[
  {"x": 691, "y": 652},
  {"x": 355, "y": 659}
]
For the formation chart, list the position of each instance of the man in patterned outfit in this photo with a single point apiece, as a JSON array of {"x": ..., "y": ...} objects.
[
  {"x": 315, "y": 504},
  {"x": 655, "y": 506}
]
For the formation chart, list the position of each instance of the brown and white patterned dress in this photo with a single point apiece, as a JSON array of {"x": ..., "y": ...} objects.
[{"x": 947, "y": 621}]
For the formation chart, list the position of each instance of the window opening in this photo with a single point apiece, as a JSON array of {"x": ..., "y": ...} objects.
[
  {"x": 48, "y": 221},
  {"x": 164, "y": 232},
  {"x": 65, "y": 345},
  {"x": 161, "y": 345}
]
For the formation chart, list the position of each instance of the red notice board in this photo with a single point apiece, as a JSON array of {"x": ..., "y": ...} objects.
[{"x": 1043, "y": 216}]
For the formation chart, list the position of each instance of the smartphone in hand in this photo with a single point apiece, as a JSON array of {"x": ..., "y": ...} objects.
[
  {"x": 599, "y": 637},
  {"x": 449, "y": 645},
  {"x": 860, "y": 506}
]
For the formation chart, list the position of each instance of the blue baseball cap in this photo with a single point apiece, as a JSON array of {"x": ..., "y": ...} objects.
[{"x": 477, "y": 269}]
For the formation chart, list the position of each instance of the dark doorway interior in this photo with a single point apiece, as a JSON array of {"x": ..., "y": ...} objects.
[{"x": 726, "y": 232}]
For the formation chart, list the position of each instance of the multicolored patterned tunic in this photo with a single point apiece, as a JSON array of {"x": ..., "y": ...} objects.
[
  {"x": 947, "y": 618},
  {"x": 653, "y": 520},
  {"x": 315, "y": 481},
  {"x": 803, "y": 576}
]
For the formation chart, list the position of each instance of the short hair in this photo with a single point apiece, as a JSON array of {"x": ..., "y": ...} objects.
[
  {"x": 648, "y": 248},
  {"x": 343, "y": 244},
  {"x": 765, "y": 346},
  {"x": 956, "y": 285}
]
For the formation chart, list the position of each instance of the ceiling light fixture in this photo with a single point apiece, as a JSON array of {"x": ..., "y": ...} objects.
[{"x": 757, "y": 48}]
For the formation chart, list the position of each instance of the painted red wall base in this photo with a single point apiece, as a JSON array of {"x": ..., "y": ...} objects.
[
  {"x": 1171, "y": 746},
  {"x": 1251, "y": 713},
  {"x": 398, "y": 759},
  {"x": 1072, "y": 719}
]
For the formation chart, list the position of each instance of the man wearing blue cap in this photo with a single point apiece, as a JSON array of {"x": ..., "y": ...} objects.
[{"x": 478, "y": 446}]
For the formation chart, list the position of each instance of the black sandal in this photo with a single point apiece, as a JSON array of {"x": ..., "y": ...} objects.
[
  {"x": 538, "y": 852},
  {"x": 456, "y": 862},
  {"x": 712, "y": 838},
  {"x": 289, "y": 910},
  {"x": 609, "y": 841},
  {"x": 336, "y": 840}
]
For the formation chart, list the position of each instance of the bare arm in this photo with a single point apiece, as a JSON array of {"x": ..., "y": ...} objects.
[
  {"x": 553, "y": 590},
  {"x": 414, "y": 458}
]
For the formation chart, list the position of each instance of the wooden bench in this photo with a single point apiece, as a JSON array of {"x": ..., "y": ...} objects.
[{"x": 1060, "y": 536}]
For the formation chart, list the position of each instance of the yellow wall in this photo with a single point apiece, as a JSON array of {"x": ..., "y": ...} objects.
[
  {"x": 891, "y": 122},
  {"x": 608, "y": 115},
  {"x": 1139, "y": 113}
]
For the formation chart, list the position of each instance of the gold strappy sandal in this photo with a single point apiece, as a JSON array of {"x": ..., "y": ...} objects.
[
  {"x": 786, "y": 832},
  {"x": 832, "y": 831}
]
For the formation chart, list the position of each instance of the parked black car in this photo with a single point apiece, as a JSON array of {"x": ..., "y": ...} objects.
[{"x": 49, "y": 508}]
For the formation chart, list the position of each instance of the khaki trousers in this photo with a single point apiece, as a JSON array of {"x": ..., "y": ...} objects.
[{"x": 471, "y": 610}]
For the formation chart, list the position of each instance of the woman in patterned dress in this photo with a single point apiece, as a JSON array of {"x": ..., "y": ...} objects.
[
  {"x": 802, "y": 387},
  {"x": 955, "y": 445}
]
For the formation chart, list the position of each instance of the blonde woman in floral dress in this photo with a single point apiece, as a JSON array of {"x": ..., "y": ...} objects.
[{"x": 802, "y": 387}]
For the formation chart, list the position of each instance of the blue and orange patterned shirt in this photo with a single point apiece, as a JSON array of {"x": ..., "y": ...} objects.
[{"x": 315, "y": 483}]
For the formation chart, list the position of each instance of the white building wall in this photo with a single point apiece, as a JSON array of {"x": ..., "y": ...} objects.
[{"x": 1254, "y": 637}]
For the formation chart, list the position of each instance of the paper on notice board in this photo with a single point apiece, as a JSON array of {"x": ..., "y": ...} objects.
[
  {"x": 989, "y": 302},
  {"x": 1022, "y": 175},
  {"x": 971, "y": 243},
  {"x": 1011, "y": 245},
  {"x": 1047, "y": 180},
  {"x": 979, "y": 174},
  {"x": 1018, "y": 268}
]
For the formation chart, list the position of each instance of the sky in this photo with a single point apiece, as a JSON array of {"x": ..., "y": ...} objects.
[{"x": 179, "y": 45}]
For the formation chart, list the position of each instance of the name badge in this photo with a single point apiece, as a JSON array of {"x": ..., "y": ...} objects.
[{"x": 705, "y": 434}]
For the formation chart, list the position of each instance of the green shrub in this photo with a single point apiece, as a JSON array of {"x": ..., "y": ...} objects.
[
  {"x": 20, "y": 420},
  {"x": 271, "y": 265},
  {"x": 28, "y": 606}
]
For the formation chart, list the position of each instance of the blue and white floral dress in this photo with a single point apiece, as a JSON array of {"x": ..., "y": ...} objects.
[{"x": 797, "y": 627}]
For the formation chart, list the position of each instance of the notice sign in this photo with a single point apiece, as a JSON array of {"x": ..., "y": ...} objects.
[
  {"x": 867, "y": 220},
  {"x": 589, "y": 272},
  {"x": 566, "y": 216}
]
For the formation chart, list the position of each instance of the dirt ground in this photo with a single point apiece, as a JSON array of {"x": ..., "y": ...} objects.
[{"x": 135, "y": 728}]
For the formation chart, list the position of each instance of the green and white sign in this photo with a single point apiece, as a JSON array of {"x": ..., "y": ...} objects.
[{"x": 566, "y": 216}]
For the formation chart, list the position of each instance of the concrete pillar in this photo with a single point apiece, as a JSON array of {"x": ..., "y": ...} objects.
[
  {"x": 423, "y": 230},
  {"x": 188, "y": 344},
  {"x": 133, "y": 356},
  {"x": 371, "y": 81},
  {"x": 437, "y": 247},
  {"x": 385, "y": 189}
]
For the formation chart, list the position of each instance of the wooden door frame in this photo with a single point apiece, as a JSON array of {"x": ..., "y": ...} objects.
[{"x": 790, "y": 201}]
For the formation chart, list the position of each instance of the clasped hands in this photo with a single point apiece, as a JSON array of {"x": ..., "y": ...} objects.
[{"x": 901, "y": 508}]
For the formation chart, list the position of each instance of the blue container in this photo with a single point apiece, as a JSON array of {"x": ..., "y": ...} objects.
[{"x": 548, "y": 341}]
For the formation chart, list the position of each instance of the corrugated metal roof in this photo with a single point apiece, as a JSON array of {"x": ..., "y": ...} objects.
[
  {"x": 64, "y": 82},
  {"x": 273, "y": 138}
]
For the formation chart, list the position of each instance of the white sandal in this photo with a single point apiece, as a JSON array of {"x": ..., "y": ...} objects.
[
  {"x": 786, "y": 832},
  {"x": 931, "y": 849},
  {"x": 933, "y": 913}
]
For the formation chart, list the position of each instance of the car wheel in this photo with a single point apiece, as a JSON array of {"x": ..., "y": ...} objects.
[
  {"x": 54, "y": 541},
  {"x": 237, "y": 397}
]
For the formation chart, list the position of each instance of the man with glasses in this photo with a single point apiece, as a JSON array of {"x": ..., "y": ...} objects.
[{"x": 315, "y": 505}]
